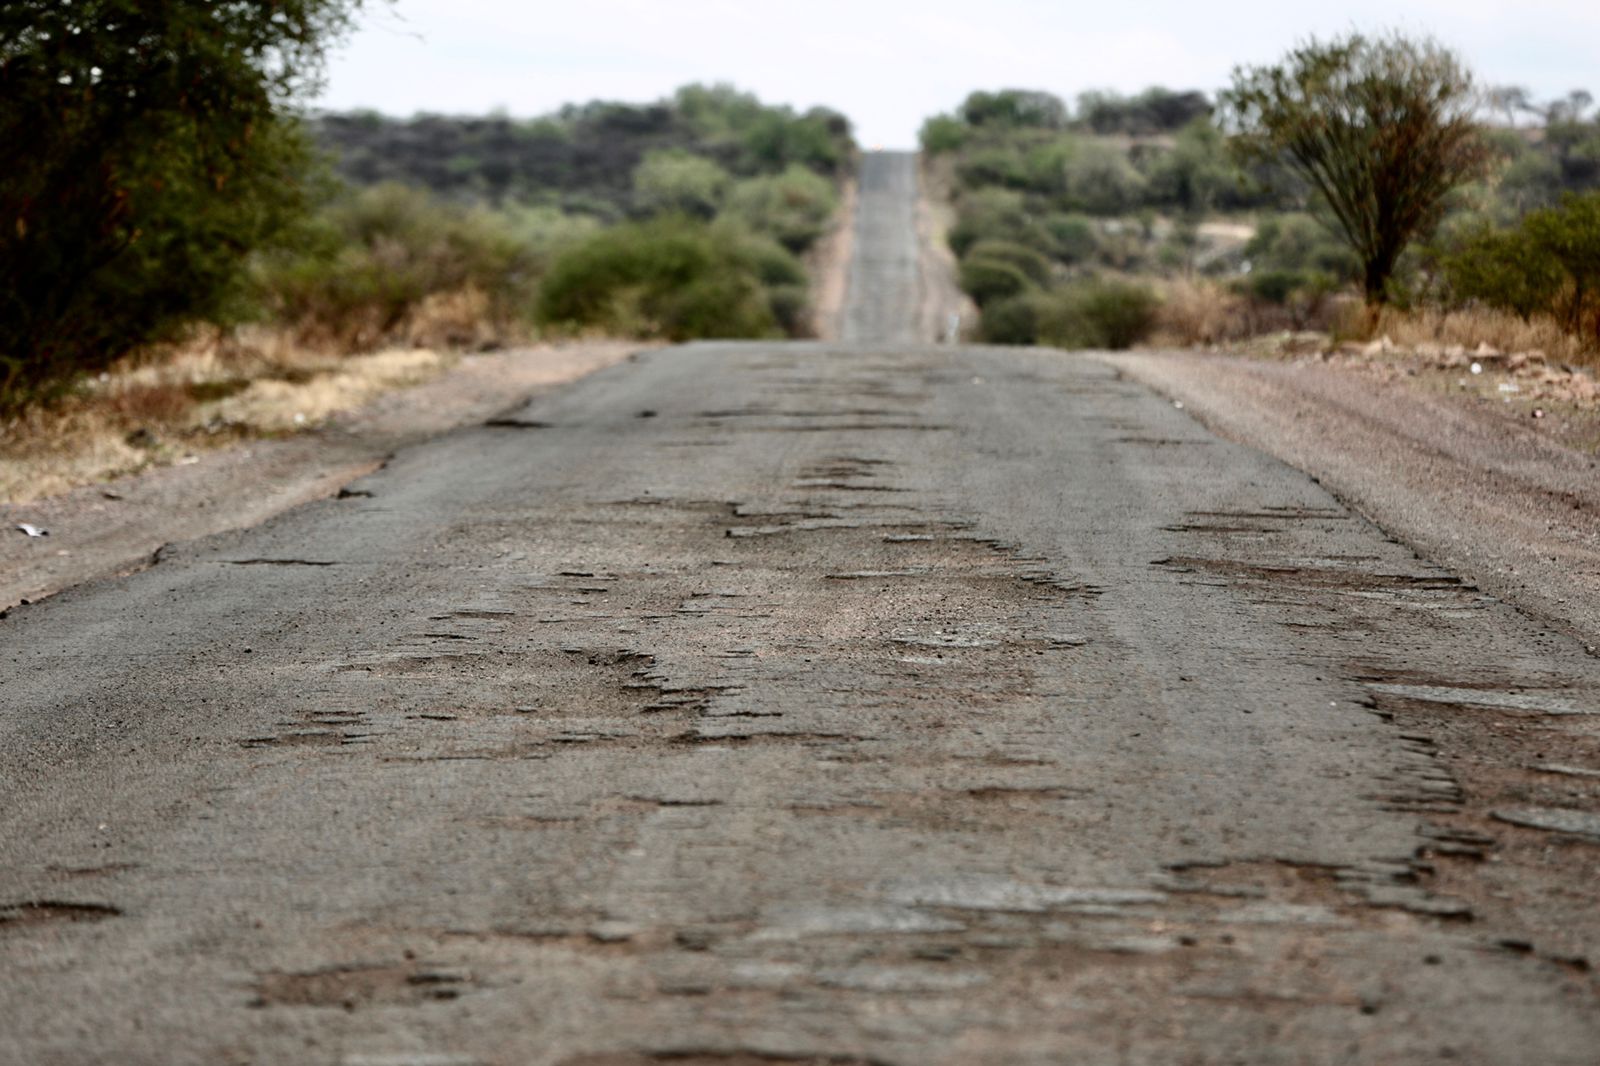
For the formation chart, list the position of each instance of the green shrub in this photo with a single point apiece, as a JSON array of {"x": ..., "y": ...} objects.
[
  {"x": 941, "y": 134},
  {"x": 1097, "y": 313},
  {"x": 1273, "y": 286},
  {"x": 674, "y": 181},
  {"x": 987, "y": 280},
  {"x": 366, "y": 263},
  {"x": 1099, "y": 179},
  {"x": 1014, "y": 320},
  {"x": 1506, "y": 269},
  {"x": 818, "y": 140},
  {"x": 1300, "y": 244},
  {"x": 795, "y": 207},
  {"x": 999, "y": 164},
  {"x": 669, "y": 277},
  {"x": 1072, "y": 238},
  {"x": 1196, "y": 174},
  {"x": 992, "y": 214},
  {"x": 1034, "y": 267},
  {"x": 1570, "y": 234},
  {"x": 1015, "y": 109}
]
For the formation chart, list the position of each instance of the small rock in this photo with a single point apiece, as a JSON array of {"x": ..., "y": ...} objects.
[
  {"x": 1554, "y": 820},
  {"x": 612, "y": 932}
]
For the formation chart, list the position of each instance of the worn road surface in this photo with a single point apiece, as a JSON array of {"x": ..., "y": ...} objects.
[{"x": 879, "y": 703}]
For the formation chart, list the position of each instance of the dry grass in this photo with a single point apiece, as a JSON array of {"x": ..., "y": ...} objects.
[
  {"x": 168, "y": 405},
  {"x": 1204, "y": 312},
  {"x": 1499, "y": 331},
  {"x": 1199, "y": 312}
]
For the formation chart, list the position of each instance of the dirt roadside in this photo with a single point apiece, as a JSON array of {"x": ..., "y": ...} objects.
[
  {"x": 943, "y": 304},
  {"x": 1492, "y": 498},
  {"x": 118, "y": 526},
  {"x": 828, "y": 263}
]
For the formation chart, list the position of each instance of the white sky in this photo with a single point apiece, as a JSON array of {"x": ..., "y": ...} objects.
[{"x": 888, "y": 64}]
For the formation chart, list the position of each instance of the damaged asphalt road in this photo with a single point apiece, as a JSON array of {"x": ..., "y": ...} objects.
[{"x": 746, "y": 703}]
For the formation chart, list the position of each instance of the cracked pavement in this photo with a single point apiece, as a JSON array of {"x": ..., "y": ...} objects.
[{"x": 872, "y": 703}]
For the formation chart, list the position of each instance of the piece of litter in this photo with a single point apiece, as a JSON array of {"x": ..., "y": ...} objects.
[
  {"x": 1477, "y": 368},
  {"x": 1178, "y": 404},
  {"x": 299, "y": 419},
  {"x": 1510, "y": 386},
  {"x": 189, "y": 460},
  {"x": 32, "y": 530},
  {"x": 1538, "y": 412}
]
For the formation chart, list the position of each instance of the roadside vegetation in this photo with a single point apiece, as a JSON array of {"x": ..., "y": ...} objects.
[
  {"x": 1360, "y": 187},
  {"x": 175, "y": 227}
]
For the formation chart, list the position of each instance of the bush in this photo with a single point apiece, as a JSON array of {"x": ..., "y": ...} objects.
[
  {"x": 1097, "y": 313},
  {"x": 1548, "y": 264},
  {"x": 997, "y": 214},
  {"x": 669, "y": 278},
  {"x": 941, "y": 134},
  {"x": 366, "y": 264},
  {"x": 1505, "y": 269},
  {"x": 988, "y": 280},
  {"x": 1014, "y": 320},
  {"x": 818, "y": 140},
  {"x": 1035, "y": 267},
  {"x": 1072, "y": 238},
  {"x": 795, "y": 207},
  {"x": 1015, "y": 109},
  {"x": 999, "y": 164},
  {"x": 1297, "y": 243},
  {"x": 1099, "y": 179},
  {"x": 1570, "y": 234},
  {"x": 676, "y": 182}
]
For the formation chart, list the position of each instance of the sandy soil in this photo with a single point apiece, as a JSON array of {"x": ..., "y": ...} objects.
[
  {"x": 828, "y": 263},
  {"x": 120, "y": 526},
  {"x": 1476, "y": 485},
  {"x": 941, "y": 296}
]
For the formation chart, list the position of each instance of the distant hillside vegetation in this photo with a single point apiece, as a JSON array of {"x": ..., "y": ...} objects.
[{"x": 583, "y": 157}]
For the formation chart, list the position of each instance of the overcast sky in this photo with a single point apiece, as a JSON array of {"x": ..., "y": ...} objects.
[{"x": 888, "y": 64}]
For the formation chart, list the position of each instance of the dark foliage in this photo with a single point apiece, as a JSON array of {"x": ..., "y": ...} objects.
[
  {"x": 583, "y": 157},
  {"x": 149, "y": 148}
]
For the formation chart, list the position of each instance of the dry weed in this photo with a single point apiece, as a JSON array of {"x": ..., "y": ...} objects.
[
  {"x": 166, "y": 405},
  {"x": 1479, "y": 327},
  {"x": 1195, "y": 311}
]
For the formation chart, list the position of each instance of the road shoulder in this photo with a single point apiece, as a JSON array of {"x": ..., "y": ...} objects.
[
  {"x": 1491, "y": 499},
  {"x": 117, "y": 527}
]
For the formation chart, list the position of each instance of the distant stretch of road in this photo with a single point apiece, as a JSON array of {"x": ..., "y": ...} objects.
[{"x": 873, "y": 703}]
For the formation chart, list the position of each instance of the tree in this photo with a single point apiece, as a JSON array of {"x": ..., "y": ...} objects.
[
  {"x": 150, "y": 144},
  {"x": 1383, "y": 129},
  {"x": 1508, "y": 100}
]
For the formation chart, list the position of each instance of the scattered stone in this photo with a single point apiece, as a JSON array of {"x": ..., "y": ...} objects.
[
  {"x": 1569, "y": 771},
  {"x": 1584, "y": 824}
]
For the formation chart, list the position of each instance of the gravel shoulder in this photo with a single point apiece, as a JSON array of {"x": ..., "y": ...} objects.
[
  {"x": 118, "y": 527},
  {"x": 1491, "y": 497}
]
